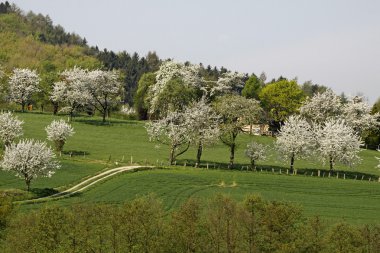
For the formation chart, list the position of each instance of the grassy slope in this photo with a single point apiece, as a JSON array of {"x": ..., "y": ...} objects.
[
  {"x": 354, "y": 201},
  {"x": 328, "y": 197}
]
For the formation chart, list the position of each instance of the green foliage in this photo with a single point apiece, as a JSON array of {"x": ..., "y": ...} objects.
[
  {"x": 311, "y": 89},
  {"x": 186, "y": 233},
  {"x": 343, "y": 238},
  {"x": 141, "y": 102},
  {"x": 252, "y": 87},
  {"x": 175, "y": 97},
  {"x": 219, "y": 225},
  {"x": 281, "y": 99},
  {"x": 235, "y": 112},
  {"x": 376, "y": 107},
  {"x": 372, "y": 139},
  {"x": 6, "y": 209}
]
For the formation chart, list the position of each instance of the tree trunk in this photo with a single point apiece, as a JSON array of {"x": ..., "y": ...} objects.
[
  {"x": 199, "y": 154},
  {"x": 27, "y": 181},
  {"x": 23, "y": 106},
  {"x": 55, "y": 108},
  {"x": 331, "y": 164},
  {"x": 104, "y": 116},
  {"x": 172, "y": 155},
  {"x": 292, "y": 163},
  {"x": 232, "y": 154},
  {"x": 253, "y": 166}
]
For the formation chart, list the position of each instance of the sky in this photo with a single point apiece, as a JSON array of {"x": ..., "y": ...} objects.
[{"x": 335, "y": 43}]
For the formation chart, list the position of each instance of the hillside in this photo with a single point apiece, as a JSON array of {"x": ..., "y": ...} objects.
[{"x": 21, "y": 46}]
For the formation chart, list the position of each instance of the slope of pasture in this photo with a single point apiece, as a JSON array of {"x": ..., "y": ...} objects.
[
  {"x": 122, "y": 139},
  {"x": 333, "y": 199},
  {"x": 95, "y": 147}
]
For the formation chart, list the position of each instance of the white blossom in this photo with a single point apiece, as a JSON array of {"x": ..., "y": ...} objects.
[
  {"x": 295, "y": 139},
  {"x": 22, "y": 85},
  {"x": 235, "y": 111},
  {"x": 10, "y": 128},
  {"x": 169, "y": 70},
  {"x": 337, "y": 142},
  {"x": 256, "y": 151},
  {"x": 127, "y": 110},
  {"x": 58, "y": 131},
  {"x": 72, "y": 90},
  {"x": 203, "y": 124},
  {"x": 104, "y": 88},
  {"x": 29, "y": 159},
  {"x": 322, "y": 106},
  {"x": 357, "y": 114},
  {"x": 227, "y": 83},
  {"x": 172, "y": 130}
]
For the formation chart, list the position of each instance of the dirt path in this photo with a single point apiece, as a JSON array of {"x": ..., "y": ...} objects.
[{"x": 85, "y": 184}]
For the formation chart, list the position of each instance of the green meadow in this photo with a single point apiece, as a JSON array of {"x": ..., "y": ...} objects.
[{"x": 96, "y": 147}]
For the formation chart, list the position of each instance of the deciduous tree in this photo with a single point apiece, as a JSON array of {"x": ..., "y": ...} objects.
[
  {"x": 72, "y": 90},
  {"x": 29, "y": 159},
  {"x": 252, "y": 87},
  {"x": 295, "y": 139},
  {"x": 172, "y": 130},
  {"x": 281, "y": 99},
  {"x": 141, "y": 102},
  {"x": 357, "y": 114},
  {"x": 255, "y": 151},
  {"x": 23, "y": 83},
  {"x": 322, "y": 106},
  {"x": 203, "y": 123},
  {"x": 58, "y": 131},
  {"x": 234, "y": 111},
  {"x": 337, "y": 142},
  {"x": 185, "y": 75},
  {"x": 10, "y": 128},
  {"x": 105, "y": 90}
]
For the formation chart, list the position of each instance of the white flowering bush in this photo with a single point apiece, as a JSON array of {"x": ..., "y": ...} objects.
[
  {"x": 357, "y": 114},
  {"x": 10, "y": 128},
  {"x": 295, "y": 139},
  {"x": 172, "y": 130},
  {"x": 105, "y": 90},
  {"x": 203, "y": 124},
  {"x": 256, "y": 151},
  {"x": 58, "y": 131},
  {"x": 322, "y": 106},
  {"x": 22, "y": 85},
  {"x": 29, "y": 159},
  {"x": 127, "y": 110},
  {"x": 337, "y": 142},
  {"x": 72, "y": 91},
  {"x": 169, "y": 70}
]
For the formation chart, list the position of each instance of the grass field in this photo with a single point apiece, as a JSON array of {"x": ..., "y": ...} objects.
[
  {"x": 333, "y": 199},
  {"x": 95, "y": 147}
]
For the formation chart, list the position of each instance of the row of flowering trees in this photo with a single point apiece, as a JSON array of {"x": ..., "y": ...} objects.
[
  {"x": 325, "y": 127},
  {"x": 30, "y": 158},
  {"x": 188, "y": 109},
  {"x": 328, "y": 129},
  {"x": 76, "y": 88}
]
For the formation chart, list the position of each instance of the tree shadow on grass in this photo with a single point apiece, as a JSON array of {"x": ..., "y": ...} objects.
[
  {"x": 44, "y": 192},
  {"x": 275, "y": 169},
  {"x": 96, "y": 122},
  {"x": 75, "y": 153}
]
